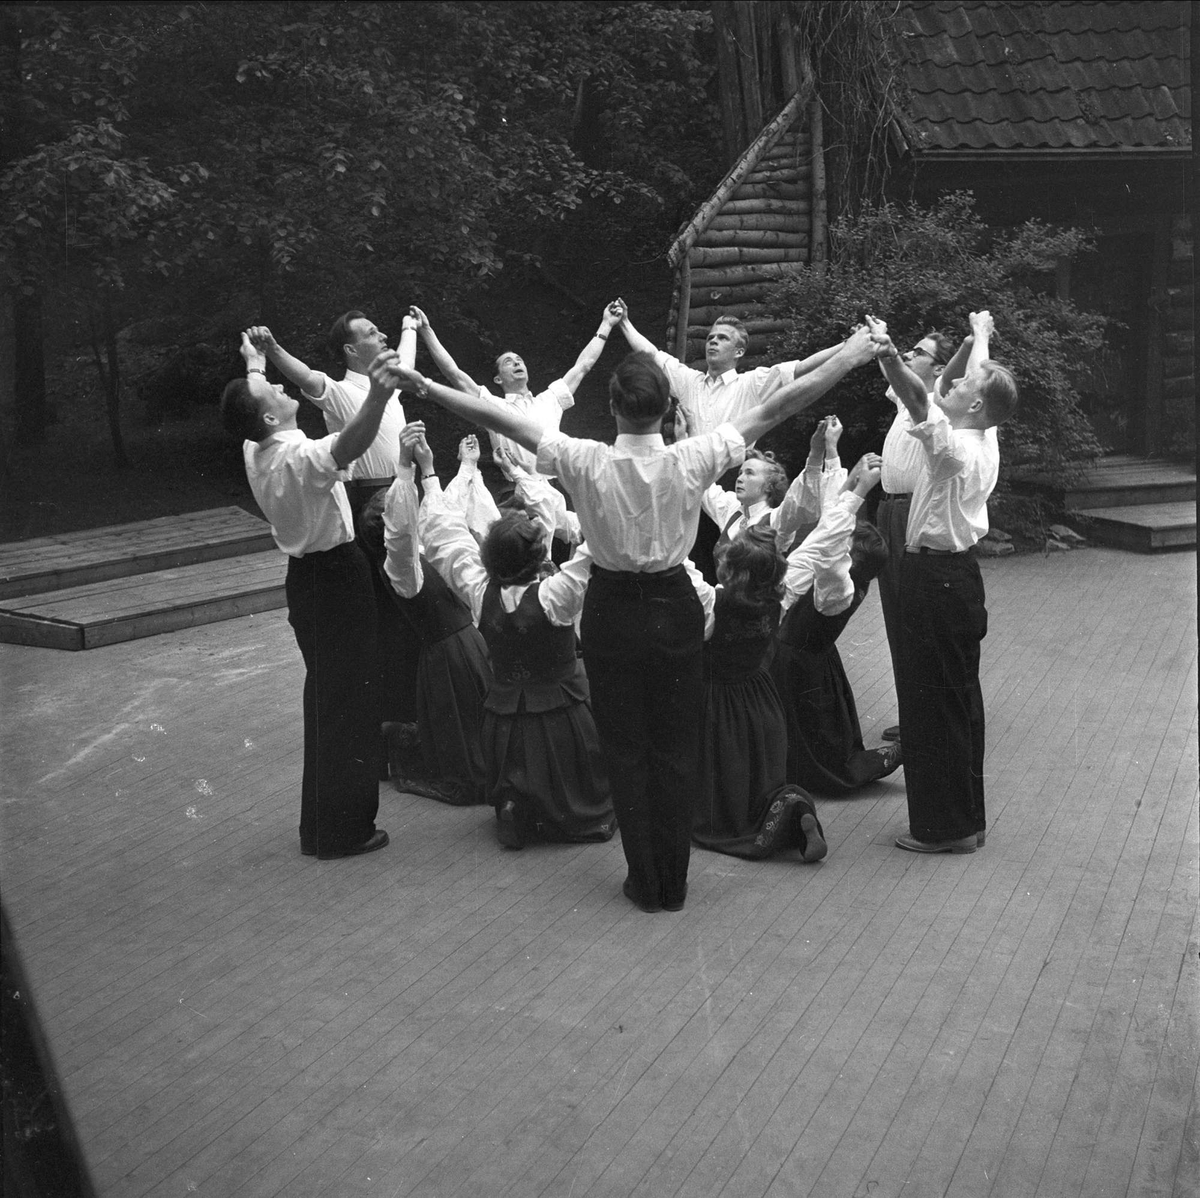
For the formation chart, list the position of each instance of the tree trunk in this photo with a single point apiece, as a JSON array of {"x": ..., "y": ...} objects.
[
  {"x": 733, "y": 124},
  {"x": 29, "y": 369},
  {"x": 103, "y": 327},
  {"x": 747, "y": 61}
]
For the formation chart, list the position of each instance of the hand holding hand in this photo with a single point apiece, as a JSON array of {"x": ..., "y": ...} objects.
[
  {"x": 252, "y": 355},
  {"x": 261, "y": 338},
  {"x": 833, "y": 434},
  {"x": 468, "y": 449},
  {"x": 613, "y": 314},
  {"x": 817, "y": 443},
  {"x": 420, "y": 317},
  {"x": 405, "y": 454},
  {"x": 982, "y": 324},
  {"x": 868, "y": 469},
  {"x": 861, "y": 346},
  {"x": 423, "y": 454}
]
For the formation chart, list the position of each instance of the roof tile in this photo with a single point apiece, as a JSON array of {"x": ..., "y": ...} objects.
[{"x": 1006, "y": 74}]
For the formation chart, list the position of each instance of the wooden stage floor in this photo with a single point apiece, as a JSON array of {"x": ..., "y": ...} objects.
[{"x": 445, "y": 1017}]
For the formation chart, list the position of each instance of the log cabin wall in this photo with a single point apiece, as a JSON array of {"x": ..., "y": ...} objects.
[{"x": 760, "y": 231}]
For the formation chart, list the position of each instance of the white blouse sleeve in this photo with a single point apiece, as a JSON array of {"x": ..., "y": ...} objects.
[
  {"x": 561, "y": 595},
  {"x": 402, "y": 563},
  {"x": 822, "y": 560},
  {"x": 468, "y": 493},
  {"x": 706, "y": 593},
  {"x": 451, "y": 549}
]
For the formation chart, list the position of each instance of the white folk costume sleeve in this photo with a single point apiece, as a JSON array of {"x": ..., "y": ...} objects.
[
  {"x": 706, "y": 593},
  {"x": 467, "y": 493},
  {"x": 822, "y": 560},
  {"x": 561, "y": 595},
  {"x": 547, "y": 506},
  {"x": 402, "y": 564},
  {"x": 720, "y": 505},
  {"x": 451, "y": 549}
]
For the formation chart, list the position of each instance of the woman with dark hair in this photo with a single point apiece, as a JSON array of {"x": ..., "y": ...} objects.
[
  {"x": 827, "y": 579},
  {"x": 744, "y": 806},
  {"x": 544, "y": 772},
  {"x": 453, "y": 673},
  {"x": 638, "y": 502}
]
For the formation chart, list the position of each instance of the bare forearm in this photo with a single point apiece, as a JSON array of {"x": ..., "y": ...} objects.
[
  {"x": 637, "y": 342},
  {"x": 525, "y": 432},
  {"x": 795, "y": 396},
  {"x": 588, "y": 357},
  {"x": 956, "y": 367},
  {"x": 814, "y": 360},
  {"x": 308, "y": 380},
  {"x": 443, "y": 360},
  {"x": 356, "y": 438},
  {"x": 907, "y": 386}
]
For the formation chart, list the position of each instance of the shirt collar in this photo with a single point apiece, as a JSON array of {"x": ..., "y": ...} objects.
[
  {"x": 359, "y": 380},
  {"x": 722, "y": 380},
  {"x": 643, "y": 441}
]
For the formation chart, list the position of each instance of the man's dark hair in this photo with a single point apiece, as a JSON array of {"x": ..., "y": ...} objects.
[
  {"x": 241, "y": 412},
  {"x": 945, "y": 347},
  {"x": 339, "y": 334},
  {"x": 638, "y": 389}
]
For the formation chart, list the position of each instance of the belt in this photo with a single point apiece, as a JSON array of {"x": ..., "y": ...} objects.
[
  {"x": 637, "y": 575},
  {"x": 897, "y": 494},
  {"x": 935, "y": 552},
  {"x": 373, "y": 483}
]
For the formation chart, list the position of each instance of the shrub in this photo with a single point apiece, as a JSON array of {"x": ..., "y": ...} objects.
[{"x": 921, "y": 269}]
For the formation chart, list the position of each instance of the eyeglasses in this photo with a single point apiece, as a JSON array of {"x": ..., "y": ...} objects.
[{"x": 920, "y": 349}]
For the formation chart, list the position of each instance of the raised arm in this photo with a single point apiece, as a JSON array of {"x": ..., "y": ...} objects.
[
  {"x": 805, "y": 365},
  {"x": 591, "y": 352},
  {"x": 906, "y": 385},
  {"x": 356, "y": 438},
  {"x": 797, "y": 395},
  {"x": 956, "y": 367},
  {"x": 440, "y": 355},
  {"x": 636, "y": 341},
  {"x": 525, "y": 432},
  {"x": 402, "y": 561},
  {"x": 311, "y": 382}
]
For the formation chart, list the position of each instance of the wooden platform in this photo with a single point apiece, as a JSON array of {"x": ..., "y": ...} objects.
[
  {"x": 1126, "y": 502},
  {"x": 73, "y": 559},
  {"x": 446, "y": 1018},
  {"x": 1142, "y": 527},
  {"x": 128, "y": 581}
]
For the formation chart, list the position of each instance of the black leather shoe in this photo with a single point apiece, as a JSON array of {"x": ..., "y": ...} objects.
[
  {"x": 508, "y": 831},
  {"x": 965, "y": 844},
  {"x": 678, "y": 906},
  {"x": 892, "y": 733},
  {"x": 650, "y": 908},
  {"x": 375, "y": 841}
]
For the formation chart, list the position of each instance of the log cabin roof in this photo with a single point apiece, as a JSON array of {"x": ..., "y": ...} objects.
[{"x": 998, "y": 77}]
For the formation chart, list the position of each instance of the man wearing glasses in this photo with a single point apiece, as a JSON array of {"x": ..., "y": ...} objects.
[{"x": 931, "y": 361}]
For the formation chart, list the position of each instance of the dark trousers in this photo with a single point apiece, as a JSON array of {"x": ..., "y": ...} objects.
[
  {"x": 331, "y": 608},
  {"x": 941, "y": 703},
  {"x": 891, "y": 518},
  {"x": 643, "y": 642}
]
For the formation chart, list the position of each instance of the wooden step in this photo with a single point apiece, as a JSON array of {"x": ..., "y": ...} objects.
[
  {"x": 75, "y": 559},
  {"x": 1142, "y": 527},
  {"x": 138, "y": 605},
  {"x": 1118, "y": 481}
]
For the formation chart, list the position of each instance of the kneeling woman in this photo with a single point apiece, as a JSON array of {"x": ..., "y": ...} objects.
[
  {"x": 744, "y": 806},
  {"x": 545, "y": 776}
]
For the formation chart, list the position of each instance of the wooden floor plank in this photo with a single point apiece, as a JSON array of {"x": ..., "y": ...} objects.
[{"x": 446, "y": 1018}]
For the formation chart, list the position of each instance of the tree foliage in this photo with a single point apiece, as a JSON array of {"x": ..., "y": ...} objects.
[
  {"x": 305, "y": 157},
  {"x": 922, "y": 269}
]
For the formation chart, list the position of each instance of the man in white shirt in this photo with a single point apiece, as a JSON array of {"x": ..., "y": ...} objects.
[
  {"x": 943, "y": 614},
  {"x": 638, "y": 503},
  {"x": 720, "y": 393},
  {"x": 299, "y": 484},
  {"x": 356, "y": 341},
  {"x": 512, "y": 377}
]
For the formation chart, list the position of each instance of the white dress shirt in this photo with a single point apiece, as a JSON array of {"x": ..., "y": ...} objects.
[
  {"x": 958, "y": 472},
  {"x": 638, "y": 500},
  {"x": 298, "y": 485},
  {"x": 339, "y": 402},
  {"x": 545, "y": 409},
  {"x": 710, "y": 402}
]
